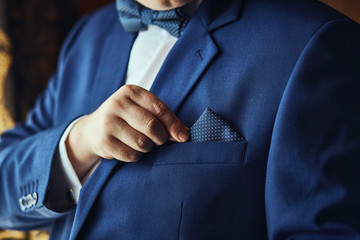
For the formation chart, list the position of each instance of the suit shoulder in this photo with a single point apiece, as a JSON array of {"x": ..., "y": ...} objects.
[
  {"x": 300, "y": 15},
  {"x": 103, "y": 16},
  {"x": 101, "y": 20},
  {"x": 291, "y": 21},
  {"x": 341, "y": 38},
  {"x": 93, "y": 28}
]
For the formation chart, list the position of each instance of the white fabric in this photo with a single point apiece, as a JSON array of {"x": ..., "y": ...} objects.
[
  {"x": 67, "y": 167},
  {"x": 146, "y": 58}
]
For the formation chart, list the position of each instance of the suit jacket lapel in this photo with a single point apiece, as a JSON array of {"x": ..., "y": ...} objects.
[
  {"x": 193, "y": 52},
  {"x": 214, "y": 14}
]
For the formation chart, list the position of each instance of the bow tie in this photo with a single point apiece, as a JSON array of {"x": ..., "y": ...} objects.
[{"x": 134, "y": 17}]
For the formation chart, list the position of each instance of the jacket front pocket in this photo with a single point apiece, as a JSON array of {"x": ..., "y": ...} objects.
[{"x": 201, "y": 153}]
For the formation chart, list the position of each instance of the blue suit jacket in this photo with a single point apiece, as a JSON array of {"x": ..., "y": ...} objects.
[{"x": 284, "y": 74}]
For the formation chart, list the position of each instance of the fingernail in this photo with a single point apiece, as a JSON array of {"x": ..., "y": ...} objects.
[{"x": 183, "y": 135}]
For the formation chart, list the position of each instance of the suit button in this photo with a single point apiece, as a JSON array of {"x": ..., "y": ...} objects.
[
  {"x": 35, "y": 198},
  {"x": 22, "y": 203},
  {"x": 29, "y": 201}
]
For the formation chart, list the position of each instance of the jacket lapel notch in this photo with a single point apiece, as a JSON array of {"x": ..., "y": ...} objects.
[
  {"x": 215, "y": 15},
  {"x": 184, "y": 65}
]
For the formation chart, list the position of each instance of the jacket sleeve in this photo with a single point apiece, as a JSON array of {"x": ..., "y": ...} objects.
[
  {"x": 26, "y": 157},
  {"x": 313, "y": 172}
]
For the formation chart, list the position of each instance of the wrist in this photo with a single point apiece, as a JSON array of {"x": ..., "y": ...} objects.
[{"x": 79, "y": 151}]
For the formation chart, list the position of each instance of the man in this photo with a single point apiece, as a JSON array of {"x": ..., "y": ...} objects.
[{"x": 278, "y": 78}]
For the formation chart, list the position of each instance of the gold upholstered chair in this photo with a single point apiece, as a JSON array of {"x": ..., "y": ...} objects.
[{"x": 5, "y": 60}]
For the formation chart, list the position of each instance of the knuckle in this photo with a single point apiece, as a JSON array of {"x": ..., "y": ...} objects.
[
  {"x": 126, "y": 88},
  {"x": 106, "y": 146},
  {"x": 174, "y": 127},
  {"x": 162, "y": 141},
  {"x": 106, "y": 142},
  {"x": 131, "y": 90},
  {"x": 144, "y": 144},
  {"x": 151, "y": 125},
  {"x": 115, "y": 104},
  {"x": 107, "y": 123},
  {"x": 156, "y": 132},
  {"x": 159, "y": 108},
  {"x": 132, "y": 156}
]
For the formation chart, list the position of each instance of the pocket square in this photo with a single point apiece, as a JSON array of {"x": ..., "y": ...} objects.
[{"x": 211, "y": 127}]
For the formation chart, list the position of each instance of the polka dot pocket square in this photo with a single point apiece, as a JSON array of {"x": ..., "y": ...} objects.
[{"x": 211, "y": 127}]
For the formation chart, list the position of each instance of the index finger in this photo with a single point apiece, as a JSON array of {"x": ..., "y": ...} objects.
[{"x": 160, "y": 110}]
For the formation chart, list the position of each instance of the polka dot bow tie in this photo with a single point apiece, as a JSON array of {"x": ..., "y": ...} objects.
[
  {"x": 135, "y": 17},
  {"x": 211, "y": 127}
]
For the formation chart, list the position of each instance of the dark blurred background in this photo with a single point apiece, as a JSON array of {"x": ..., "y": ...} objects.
[{"x": 36, "y": 29}]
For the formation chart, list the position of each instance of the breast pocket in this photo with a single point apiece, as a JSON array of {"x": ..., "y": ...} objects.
[{"x": 201, "y": 153}]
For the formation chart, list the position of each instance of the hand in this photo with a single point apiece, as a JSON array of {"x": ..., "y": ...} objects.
[{"x": 126, "y": 125}]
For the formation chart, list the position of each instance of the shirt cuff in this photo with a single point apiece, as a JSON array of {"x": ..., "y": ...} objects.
[{"x": 66, "y": 165}]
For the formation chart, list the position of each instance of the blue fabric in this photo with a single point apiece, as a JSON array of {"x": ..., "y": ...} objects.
[
  {"x": 283, "y": 74},
  {"x": 211, "y": 127},
  {"x": 135, "y": 17}
]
